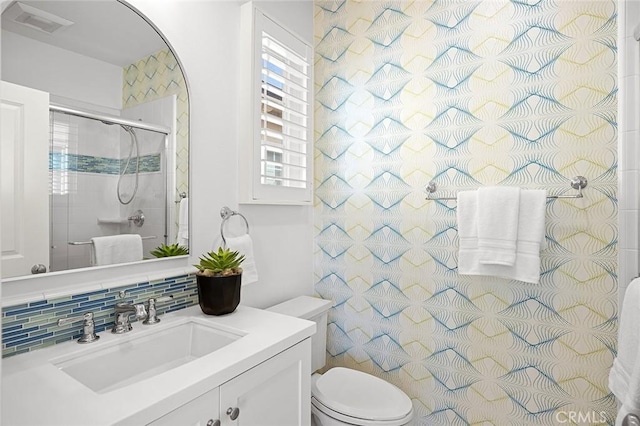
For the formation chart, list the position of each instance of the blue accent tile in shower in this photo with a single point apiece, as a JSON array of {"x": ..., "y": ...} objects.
[{"x": 102, "y": 165}]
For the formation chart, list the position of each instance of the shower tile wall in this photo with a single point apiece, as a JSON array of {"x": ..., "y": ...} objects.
[
  {"x": 81, "y": 187},
  {"x": 153, "y": 200},
  {"x": 468, "y": 93},
  {"x": 86, "y": 159},
  {"x": 150, "y": 197}
]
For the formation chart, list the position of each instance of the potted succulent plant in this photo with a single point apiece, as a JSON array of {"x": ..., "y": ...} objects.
[
  {"x": 164, "y": 250},
  {"x": 219, "y": 278}
]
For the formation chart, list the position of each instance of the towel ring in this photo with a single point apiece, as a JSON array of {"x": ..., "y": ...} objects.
[{"x": 225, "y": 214}]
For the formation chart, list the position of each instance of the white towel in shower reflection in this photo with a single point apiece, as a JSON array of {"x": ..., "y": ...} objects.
[
  {"x": 117, "y": 249},
  {"x": 183, "y": 223}
]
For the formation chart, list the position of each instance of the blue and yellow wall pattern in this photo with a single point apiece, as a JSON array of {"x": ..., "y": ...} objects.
[
  {"x": 157, "y": 76},
  {"x": 468, "y": 93}
]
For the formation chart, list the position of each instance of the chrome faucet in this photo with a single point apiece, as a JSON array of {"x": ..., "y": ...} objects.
[
  {"x": 123, "y": 310},
  {"x": 88, "y": 327},
  {"x": 152, "y": 317}
]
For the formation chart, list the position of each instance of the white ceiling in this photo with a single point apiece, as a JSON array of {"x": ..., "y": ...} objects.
[{"x": 103, "y": 29}]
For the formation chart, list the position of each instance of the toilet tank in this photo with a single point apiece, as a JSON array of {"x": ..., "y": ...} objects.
[{"x": 312, "y": 309}]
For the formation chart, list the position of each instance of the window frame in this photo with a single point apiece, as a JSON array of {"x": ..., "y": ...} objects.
[{"x": 252, "y": 190}]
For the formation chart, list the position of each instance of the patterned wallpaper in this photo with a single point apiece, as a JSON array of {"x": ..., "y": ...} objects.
[
  {"x": 468, "y": 93},
  {"x": 154, "y": 77}
]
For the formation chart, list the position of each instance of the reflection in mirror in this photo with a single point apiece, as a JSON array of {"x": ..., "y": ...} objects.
[
  {"x": 117, "y": 132},
  {"x": 112, "y": 179}
]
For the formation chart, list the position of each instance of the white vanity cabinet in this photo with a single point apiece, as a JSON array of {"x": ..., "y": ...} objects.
[
  {"x": 202, "y": 411},
  {"x": 275, "y": 392},
  {"x": 255, "y": 364}
]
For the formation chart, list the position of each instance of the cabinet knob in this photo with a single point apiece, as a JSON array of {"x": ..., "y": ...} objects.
[
  {"x": 212, "y": 422},
  {"x": 233, "y": 413}
]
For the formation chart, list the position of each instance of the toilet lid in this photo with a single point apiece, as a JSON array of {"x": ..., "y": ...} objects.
[{"x": 360, "y": 395}]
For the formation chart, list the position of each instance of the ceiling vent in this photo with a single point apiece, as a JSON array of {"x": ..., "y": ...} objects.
[{"x": 35, "y": 18}]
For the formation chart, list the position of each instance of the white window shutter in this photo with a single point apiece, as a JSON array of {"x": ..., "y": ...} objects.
[{"x": 282, "y": 115}]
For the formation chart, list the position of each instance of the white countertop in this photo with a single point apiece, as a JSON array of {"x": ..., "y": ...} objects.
[{"x": 35, "y": 392}]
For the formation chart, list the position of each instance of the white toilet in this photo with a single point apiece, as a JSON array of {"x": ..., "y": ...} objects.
[{"x": 343, "y": 396}]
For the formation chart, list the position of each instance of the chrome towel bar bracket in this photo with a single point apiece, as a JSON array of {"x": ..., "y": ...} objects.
[
  {"x": 577, "y": 182},
  {"x": 181, "y": 196}
]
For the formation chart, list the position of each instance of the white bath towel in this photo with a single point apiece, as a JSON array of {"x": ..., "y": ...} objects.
[
  {"x": 244, "y": 244},
  {"x": 531, "y": 223},
  {"x": 467, "y": 216},
  {"x": 117, "y": 249},
  {"x": 624, "y": 377},
  {"x": 498, "y": 208},
  {"x": 183, "y": 223}
]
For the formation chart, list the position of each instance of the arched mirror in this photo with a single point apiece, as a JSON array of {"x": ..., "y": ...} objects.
[{"x": 116, "y": 142}]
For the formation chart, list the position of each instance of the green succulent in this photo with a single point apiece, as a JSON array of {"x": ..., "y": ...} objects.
[
  {"x": 224, "y": 262},
  {"x": 164, "y": 250}
]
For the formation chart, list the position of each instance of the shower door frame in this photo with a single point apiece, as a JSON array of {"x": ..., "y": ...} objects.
[{"x": 110, "y": 119}]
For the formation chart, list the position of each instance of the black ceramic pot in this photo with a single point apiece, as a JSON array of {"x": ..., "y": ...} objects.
[{"x": 219, "y": 295}]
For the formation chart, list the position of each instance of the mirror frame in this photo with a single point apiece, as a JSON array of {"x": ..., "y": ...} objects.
[{"x": 28, "y": 286}]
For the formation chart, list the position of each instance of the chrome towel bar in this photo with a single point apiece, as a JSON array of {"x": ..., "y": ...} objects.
[
  {"x": 82, "y": 243},
  {"x": 577, "y": 182}
]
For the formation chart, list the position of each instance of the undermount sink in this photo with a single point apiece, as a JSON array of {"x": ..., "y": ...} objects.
[{"x": 143, "y": 356}]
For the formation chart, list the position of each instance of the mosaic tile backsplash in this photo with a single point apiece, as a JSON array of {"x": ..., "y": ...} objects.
[
  {"x": 33, "y": 325},
  {"x": 468, "y": 94}
]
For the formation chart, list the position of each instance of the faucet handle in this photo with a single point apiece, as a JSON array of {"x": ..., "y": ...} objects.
[
  {"x": 162, "y": 299},
  {"x": 152, "y": 317},
  {"x": 88, "y": 327}
]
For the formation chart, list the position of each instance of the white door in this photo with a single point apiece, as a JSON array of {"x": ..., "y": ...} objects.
[{"x": 24, "y": 168}]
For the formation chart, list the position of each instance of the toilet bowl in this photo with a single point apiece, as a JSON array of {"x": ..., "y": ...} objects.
[
  {"x": 343, "y": 396},
  {"x": 352, "y": 397}
]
